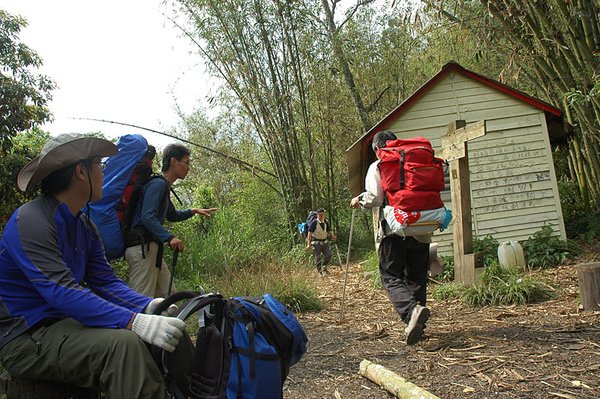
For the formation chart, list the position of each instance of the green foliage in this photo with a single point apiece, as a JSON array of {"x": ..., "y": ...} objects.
[
  {"x": 504, "y": 286},
  {"x": 581, "y": 222},
  {"x": 448, "y": 291},
  {"x": 24, "y": 94},
  {"x": 372, "y": 265},
  {"x": 448, "y": 273},
  {"x": 25, "y": 146},
  {"x": 543, "y": 250},
  {"x": 289, "y": 283},
  {"x": 488, "y": 247}
]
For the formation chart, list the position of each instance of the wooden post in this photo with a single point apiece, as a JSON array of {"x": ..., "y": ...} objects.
[
  {"x": 588, "y": 275},
  {"x": 455, "y": 149}
]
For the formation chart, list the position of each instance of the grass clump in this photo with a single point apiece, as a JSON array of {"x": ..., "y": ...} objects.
[
  {"x": 506, "y": 286},
  {"x": 290, "y": 284},
  {"x": 448, "y": 291}
]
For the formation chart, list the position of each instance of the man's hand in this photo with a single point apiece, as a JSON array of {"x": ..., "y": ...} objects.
[
  {"x": 176, "y": 244},
  {"x": 333, "y": 237},
  {"x": 203, "y": 211},
  {"x": 153, "y": 304},
  {"x": 354, "y": 203},
  {"x": 160, "y": 331}
]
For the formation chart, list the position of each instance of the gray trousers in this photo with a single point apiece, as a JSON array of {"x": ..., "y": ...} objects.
[
  {"x": 115, "y": 360},
  {"x": 318, "y": 250}
]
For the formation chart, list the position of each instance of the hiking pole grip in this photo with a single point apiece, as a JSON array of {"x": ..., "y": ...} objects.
[
  {"x": 175, "y": 256},
  {"x": 347, "y": 264}
]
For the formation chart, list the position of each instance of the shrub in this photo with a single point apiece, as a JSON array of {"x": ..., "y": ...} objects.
[
  {"x": 488, "y": 247},
  {"x": 542, "y": 250},
  {"x": 506, "y": 286}
]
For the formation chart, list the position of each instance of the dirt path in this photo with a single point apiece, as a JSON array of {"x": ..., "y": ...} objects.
[{"x": 547, "y": 350}]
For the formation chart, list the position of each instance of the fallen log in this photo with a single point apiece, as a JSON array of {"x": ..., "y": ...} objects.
[{"x": 392, "y": 382}]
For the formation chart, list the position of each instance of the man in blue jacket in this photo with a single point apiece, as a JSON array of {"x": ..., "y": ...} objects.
[
  {"x": 148, "y": 274},
  {"x": 64, "y": 314}
]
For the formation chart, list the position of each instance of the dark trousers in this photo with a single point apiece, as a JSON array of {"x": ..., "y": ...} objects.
[
  {"x": 403, "y": 265},
  {"x": 321, "y": 254}
]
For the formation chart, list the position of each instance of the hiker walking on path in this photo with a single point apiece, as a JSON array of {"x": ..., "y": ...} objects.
[
  {"x": 65, "y": 316},
  {"x": 403, "y": 261},
  {"x": 148, "y": 273},
  {"x": 318, "y": 233}
]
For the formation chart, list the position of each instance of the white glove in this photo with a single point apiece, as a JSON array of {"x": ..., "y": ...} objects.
[
  {"x": 160, "y": 331},
  {"x": 153, "y": 304}
]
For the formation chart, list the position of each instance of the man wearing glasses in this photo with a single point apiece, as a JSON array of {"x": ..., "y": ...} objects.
[{"x": 148, "y": 273}]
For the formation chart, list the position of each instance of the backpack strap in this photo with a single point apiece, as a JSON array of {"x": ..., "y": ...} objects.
[
  {"x": 401, "y": 169},
  {"x": 174, "y": 298}
]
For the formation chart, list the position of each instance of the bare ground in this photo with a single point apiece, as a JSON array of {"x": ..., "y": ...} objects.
[{"x": 546, "y": 350}]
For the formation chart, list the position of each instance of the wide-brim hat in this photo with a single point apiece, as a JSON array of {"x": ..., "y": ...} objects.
[{"x": 61, "y": 151}]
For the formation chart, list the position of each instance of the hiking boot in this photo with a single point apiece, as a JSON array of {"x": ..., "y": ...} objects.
[{"x": 416, "y": 324}]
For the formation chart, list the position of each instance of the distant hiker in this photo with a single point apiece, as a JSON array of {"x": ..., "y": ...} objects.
[
  {"x": 148, "y": 273},
  {"x": 65, "y": 316},
  {"x": 318, "y": 232},
  {"x": 403, "y": 261}
]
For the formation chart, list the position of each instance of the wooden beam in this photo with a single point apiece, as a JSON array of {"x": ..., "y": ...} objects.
[{"x": 463, "y": 133}]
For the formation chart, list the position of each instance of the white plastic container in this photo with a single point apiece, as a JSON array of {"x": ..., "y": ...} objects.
[{"x": 510, "y": 254}]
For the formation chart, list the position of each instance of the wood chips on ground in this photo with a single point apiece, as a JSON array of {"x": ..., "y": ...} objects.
[{"x": 546, "y": 350}]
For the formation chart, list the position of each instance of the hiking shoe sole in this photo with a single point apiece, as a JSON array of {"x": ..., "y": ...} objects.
[{"x": 416, "y": 333}]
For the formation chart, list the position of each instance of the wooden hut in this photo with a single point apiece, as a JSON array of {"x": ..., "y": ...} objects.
[{"x": 514, "y": 189}]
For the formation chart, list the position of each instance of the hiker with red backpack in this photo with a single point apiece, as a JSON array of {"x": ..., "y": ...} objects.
[
  {"x": 148, "y": 273},
  {"x": 406, "y": 178},
  {"x": 65, "y": 315}
]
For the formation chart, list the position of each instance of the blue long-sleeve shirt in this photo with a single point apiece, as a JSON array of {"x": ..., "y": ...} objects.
[
  {"x": 154, "y": 207},
  {"x": 46, "y": 254}
]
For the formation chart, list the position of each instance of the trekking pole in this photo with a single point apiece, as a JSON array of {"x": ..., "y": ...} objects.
[
  {"x": 338, "y": 254},
  {"x": 175, "y": 256},
  {"x": 347, "y": 264}
]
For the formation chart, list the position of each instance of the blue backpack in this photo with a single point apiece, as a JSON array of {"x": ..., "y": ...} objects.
[
  {"x": 244, "y": 348},
  {"x": 124, "y": 176},
  {"x": 303, "y": 227}
]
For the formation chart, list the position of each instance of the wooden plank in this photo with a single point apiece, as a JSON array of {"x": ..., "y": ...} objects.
[
  {"x": 518, "y": 166},
  {"x": 512, "y": 189},
  {"x": 512, "y": 206},
  {"x": 509, "y": 157},
  {"x": 452, "y": 152},
  {"x": 518, "y": 220},
  {"x": 505, "y": 149},
  {"x": 469, "y": 132},
  {"x": 493, "y": 181},
  {"x": 515, "y": 213},
  {"x": 477, "y": 176},
  {"x": 517, "y": 198}
]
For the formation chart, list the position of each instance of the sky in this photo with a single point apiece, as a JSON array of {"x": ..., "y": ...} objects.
[{"x": 120, "y": 60}]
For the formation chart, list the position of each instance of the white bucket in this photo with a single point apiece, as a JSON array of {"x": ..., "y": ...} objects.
[{"x": 510, "y": 254}]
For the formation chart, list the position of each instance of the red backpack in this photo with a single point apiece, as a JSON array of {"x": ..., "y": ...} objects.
[{"x": 411, "y": 176}]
